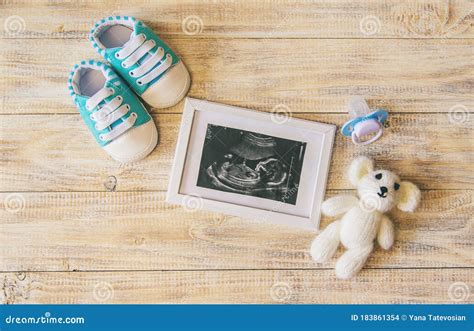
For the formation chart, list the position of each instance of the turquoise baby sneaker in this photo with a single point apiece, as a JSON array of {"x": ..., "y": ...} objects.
[
  {"x": 148, "y": 65},
  {"x": 117, "y": 119}
]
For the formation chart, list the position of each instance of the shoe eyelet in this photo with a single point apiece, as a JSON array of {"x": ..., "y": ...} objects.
[
  {"x": 117, "y": 56},
  {"x": 124, "y": 65},
  {"x": 95, "y": 126},
  {"x": 128, "y": 106},
  {"x": 101, "y": 137},
  {"x": 168, "y": 56},
  {"x": 120, "y": 98},
  {"x": 131, "y": 73},
  {"x": 88, "y": 108},
  {"x": 142, "y": 35},
  {"x": 92, "y": 117},
  {"x": 111, "y": 90},
  {"x": 139, "y": 83}
]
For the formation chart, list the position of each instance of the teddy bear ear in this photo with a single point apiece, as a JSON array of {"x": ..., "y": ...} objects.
[
  {"x": 359, "y": 168},
  {"x": 409, "y": 197}
]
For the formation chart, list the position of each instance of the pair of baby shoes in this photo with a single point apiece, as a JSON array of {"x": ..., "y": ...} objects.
[{"x": 141, "y": 65}]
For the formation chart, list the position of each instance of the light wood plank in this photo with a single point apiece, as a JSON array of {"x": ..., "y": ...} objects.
[
  {"x": 422, "y": 76},
  {"x": 139, "y": 231},
  {"x": 431, "y": 286},
  {"x": 229, "y": 18},
  {"x": 57, "y": 153},
  {"x": 163, "y": 252}
]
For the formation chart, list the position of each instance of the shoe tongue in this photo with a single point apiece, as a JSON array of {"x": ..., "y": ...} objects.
[
  {"x": 106, "y": 85},
  {"x": 110, "y": 51},
  {"x": 95, "y": 93},
  {"x": 133, "y": 35}
]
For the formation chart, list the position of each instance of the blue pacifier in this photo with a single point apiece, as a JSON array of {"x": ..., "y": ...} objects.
[{"x": 365, "y": 127}]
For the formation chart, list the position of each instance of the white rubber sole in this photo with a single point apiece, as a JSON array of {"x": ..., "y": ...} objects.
[
  {"x": 170, "y": 89},
  {"x": 134, "y": 145}
]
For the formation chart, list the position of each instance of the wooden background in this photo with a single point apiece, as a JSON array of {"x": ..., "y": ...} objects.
[{"x": 77, "y": 227}]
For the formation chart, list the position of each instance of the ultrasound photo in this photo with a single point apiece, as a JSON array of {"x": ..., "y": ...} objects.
[{"x": 251, "y": 163}]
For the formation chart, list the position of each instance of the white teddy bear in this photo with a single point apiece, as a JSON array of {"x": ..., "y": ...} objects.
[{"x": 364, "y": 219}]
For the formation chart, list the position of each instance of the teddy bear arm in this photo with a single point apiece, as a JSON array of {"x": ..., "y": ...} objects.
[
  {"x": 386, "y": 233},
  {"x": 338, "y": 205}
]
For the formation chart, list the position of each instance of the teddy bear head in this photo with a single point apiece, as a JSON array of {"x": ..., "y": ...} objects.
[{"x": 381, "y": 190}]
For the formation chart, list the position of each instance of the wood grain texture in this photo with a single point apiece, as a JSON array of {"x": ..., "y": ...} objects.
[
  {"x": 139, "y": 231},
  {"x": 238, "y": 286},
  {"x": 435, "y": 152},
  {"x": 232, "y": 19},
  {"x": 412, "y": 76},
  {"x": 304, "y": 57}
]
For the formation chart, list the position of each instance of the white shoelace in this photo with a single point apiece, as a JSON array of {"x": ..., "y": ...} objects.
[
  {"x": 134, "y": 50},
  {"x": 108, "y": 114}
]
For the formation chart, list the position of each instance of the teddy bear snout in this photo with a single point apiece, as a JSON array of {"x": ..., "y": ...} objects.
[{"x": 383, "y": 192}]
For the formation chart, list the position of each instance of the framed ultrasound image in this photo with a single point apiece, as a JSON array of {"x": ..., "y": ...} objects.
[{"x": 266, "y": 167}]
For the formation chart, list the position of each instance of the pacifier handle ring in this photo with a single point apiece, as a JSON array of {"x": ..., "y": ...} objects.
[{"x": 356, "y": 140}]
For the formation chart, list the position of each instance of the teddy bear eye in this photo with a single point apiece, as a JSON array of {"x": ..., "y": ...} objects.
[
  {"x": 396, "y": 186},
  {"x": 378, "y": 176}
]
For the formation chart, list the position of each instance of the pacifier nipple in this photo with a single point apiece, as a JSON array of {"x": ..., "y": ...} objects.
[{"x": 357, "y": 107}]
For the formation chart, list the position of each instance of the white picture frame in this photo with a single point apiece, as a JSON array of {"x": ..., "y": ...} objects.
[{"x": 315, "y": 139}]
